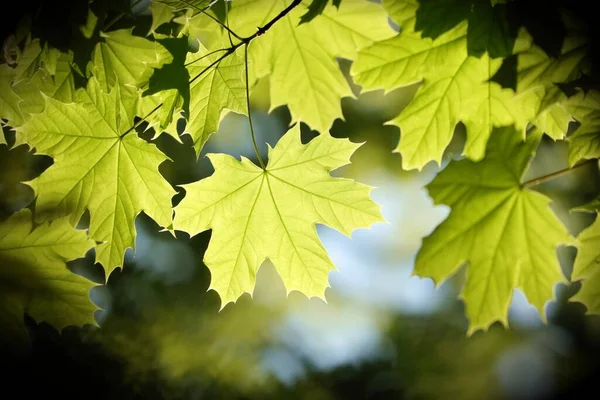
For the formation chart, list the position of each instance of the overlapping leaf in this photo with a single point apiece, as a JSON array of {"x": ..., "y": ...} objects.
[
  {"x": 587, "y": 268},
  {"x": 127, "y": 59},
  {"x": 505, "y": 232},
  {"x": 300, "y": 59},
  {"x": 9, "y": 101},
  {"x": 584, "y": 143},
  {"x": 456, "y": 86},
  {"x": 100, "y": 164},
  {"x": 202, "y": 90},
  {"x": 34, "y": 278},
  {"x": 538, "y": 97},
  {"x": 19, "y": 98},
  {"x": 219, "y": 88},
  {"x": 257, "y": 214}
]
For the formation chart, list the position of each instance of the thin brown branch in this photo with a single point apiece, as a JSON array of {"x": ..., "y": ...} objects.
[
  {"x": 244, "y": 41},
  {"x": 556, "y": 174}
]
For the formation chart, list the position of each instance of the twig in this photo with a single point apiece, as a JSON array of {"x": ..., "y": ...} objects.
[
  {"x": 244, "y": 41},
  {"x": 542, "y": 179}
]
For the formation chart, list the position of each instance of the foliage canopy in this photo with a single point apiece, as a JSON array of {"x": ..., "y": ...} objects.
[{"x": 84, "y": 97}]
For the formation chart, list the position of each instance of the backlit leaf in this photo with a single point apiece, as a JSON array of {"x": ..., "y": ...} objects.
[
  {"x": 257, "y": 214},
  {"x": 504, "y": 231}
]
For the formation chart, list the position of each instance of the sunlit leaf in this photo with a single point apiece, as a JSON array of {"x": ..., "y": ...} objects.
[
  {"x": 587, "y": 268},
  {"x": 257, "y": 214},
  {"x": 504, "y": 231},
  {"x": 100, "y": 164},
  {"x": 300, "y": 60}
]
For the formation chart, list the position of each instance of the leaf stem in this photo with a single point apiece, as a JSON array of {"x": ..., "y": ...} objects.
[
  {"x": 155, "y": 109},
  {"x": 229, "y": 31},
  {"x": 204, "y": 56},
  {"x": 556, "y": 174},
  {"x": 260, "y": 160}
]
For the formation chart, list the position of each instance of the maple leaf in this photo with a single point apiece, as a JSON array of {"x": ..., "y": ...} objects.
[
  {"x": 9, "y": 101},
  {"x": 19, "y": 98},
  {"x": 35, "y": 57},
  {"x": 537, "y": 96},
  {"x": 257, "y": 214},
  {"x": 168, "y": 89},
  {"x": 161, "y": 14},
  {"x": 100, "y": 164},
  {"x": 456, "y": 85},
  {"x": 202, "y": 86},
  {"x": 506, "y": 232},
  {"x": 164, "y": 11},
  {"x": 219, "y": 88},
  {"x": 34, "y": 278},
  {"x": 300, "y": 60},
  {"x": 587, "y": 264},
  {"x": 584, "y": 143},
  {"x": 126, "y": 58}
]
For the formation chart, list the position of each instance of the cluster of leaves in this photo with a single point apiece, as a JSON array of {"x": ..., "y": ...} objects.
[{"x": 83, "y": 103}]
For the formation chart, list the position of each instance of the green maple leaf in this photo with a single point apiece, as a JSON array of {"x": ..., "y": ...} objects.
[
  {"x": 19, "y": 98},
  {"x": 506, "y": 232},
  {"x": 538, "y": 97},
  {"x": 161, "y": 14},
  {"x": 164, "y": 11},
  {"x": 34, "y": 278},
  {"x": 100, "y": 164},
  {"x": 587, "y": 265},
  {"x": 35, "y": 57},
  {"x": 126, "y": 58},
  {"x": 584, "y": 143},
  {"x": 219, "y": 88},
  {"x": 201, "y": 89},
  {"x": 257, "y": 214},
  {"x": 456, "y": 86},
  {"x": 9, "y": 101},
  {"x": 300, "y": 60},
  {"x": 169, "y": 89}
]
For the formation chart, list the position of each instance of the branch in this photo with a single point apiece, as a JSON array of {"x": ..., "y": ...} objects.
[
  {"x": 556, "y": 174},
  {"x": 262, "y": 30},
  {"x": 228, "y": 51}
]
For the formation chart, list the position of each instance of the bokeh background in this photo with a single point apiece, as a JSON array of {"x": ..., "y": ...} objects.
[{"x": 383, "y": 334}]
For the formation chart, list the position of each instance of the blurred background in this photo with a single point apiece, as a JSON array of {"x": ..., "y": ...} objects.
[{"x": 384, "y": 334}]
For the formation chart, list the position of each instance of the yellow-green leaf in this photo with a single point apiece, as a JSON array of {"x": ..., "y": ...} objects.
[
  {"x": 538, "y": 98},
  {"x": 257, "y": 214},
  {"x": 587, "y": 268},
  {"x": 34, "y": 278},
  {"x": 219, "y": 88},
  {"x": 505, "y": 232},
  {"x": 127, "y": 59},
  {"x": 584, "y": 143},
  {"x": 300, "y": 60},
  {"x": 9, "y": 101},
  {"x": 456, "y": 87},
  {"x": 100, "y": 164}
]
